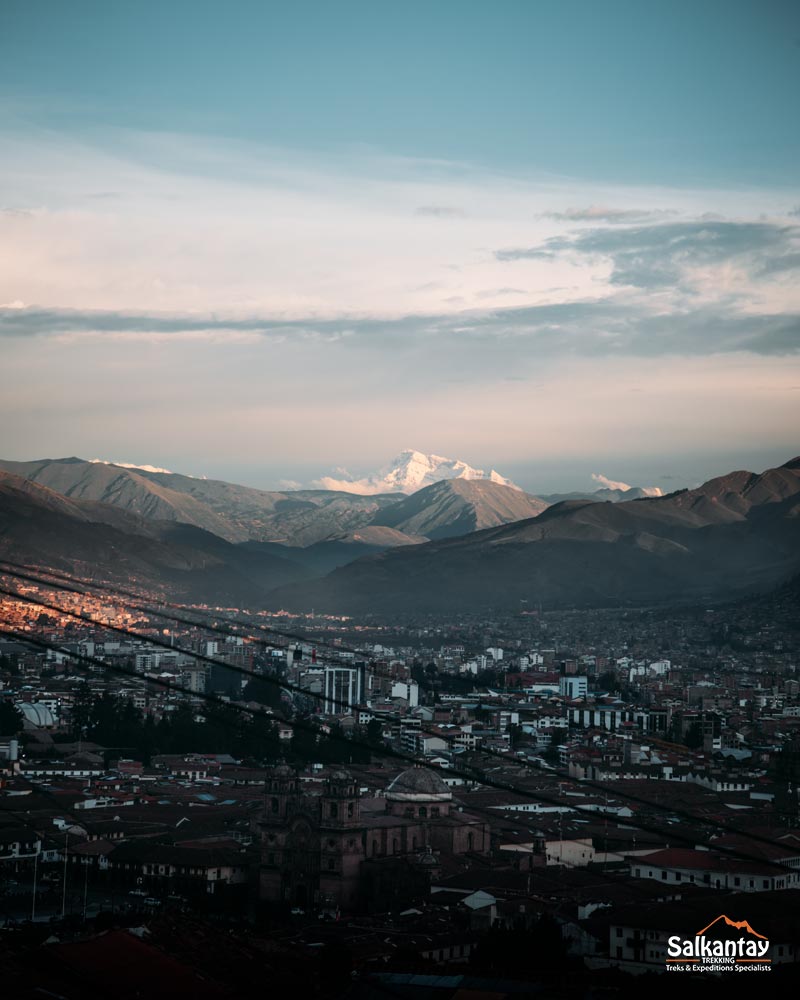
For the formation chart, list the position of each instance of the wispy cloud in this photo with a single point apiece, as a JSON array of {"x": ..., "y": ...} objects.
[
  {"x": 660, "y": 255},
  {"x": 441, "y": 211},
  {"x": 344, "y": 281},
  {"x": 610, "y": 326},
  {"x": 599, "y": 213}
]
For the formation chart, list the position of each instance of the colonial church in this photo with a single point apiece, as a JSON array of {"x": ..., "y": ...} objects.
[{"x": 322, "y": 850}]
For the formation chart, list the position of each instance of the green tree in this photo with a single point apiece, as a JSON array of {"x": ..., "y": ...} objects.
[
  {"x": 81, "y": 712},
  {"x": 551, "y": 754},
  {"x": 375, "y": 732},
  {"x": 10, "y": 719},
  {"x": 266, "y": 691},
  {"x": 694, "y": 736},
  {"x": 607, "y": 681}
]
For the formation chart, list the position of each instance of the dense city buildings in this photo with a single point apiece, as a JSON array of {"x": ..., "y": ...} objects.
[{"x": 595, "y": 770}]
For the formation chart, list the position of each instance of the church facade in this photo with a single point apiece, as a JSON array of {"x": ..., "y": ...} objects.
[{"x": 317, "y": 850}]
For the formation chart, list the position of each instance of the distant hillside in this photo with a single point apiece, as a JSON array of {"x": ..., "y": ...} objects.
[
  {"x": 734, "y": 534},
  {"x": 322, "y": 557},
  {"x": 39, "y": 527},
  {"x": 458, "y": 506},
  {"x": 236, "y": 513},
  {"x": 353, "y": 524},
  {"x": 603, "y": 494}
]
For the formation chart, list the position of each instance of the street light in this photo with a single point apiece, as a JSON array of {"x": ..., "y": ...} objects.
[
  {"x": 67, "y": 831},
  {"x": 22, "y": 857}
]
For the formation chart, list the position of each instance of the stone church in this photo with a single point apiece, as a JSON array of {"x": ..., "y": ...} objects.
[{"x": 326, "y": 850}]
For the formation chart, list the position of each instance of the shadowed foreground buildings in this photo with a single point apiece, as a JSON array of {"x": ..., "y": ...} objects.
[{"x": 339, "y": 850}]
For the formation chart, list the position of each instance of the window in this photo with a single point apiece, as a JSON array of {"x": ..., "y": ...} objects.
[
  {"x": 619, "y": 952},
  {"x": 663, "y": 876},
  {"x": 619, "y": 932},
  {"x": 765, "y": 883},
  {"x": 737, "y": 881},
  {"x": 331, "y": 864},
  {"x": 423, "y": 812},
  {"x": 334, "y": 810},
  {"x": 434, "y": 810},
  {"x": 274, "y": 805},
  {"x": 374, "y": 848},
  {"x": 470, "y": 841},
  {"x": 350, "y": 809}
]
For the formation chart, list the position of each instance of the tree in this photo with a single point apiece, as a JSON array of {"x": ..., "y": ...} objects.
[
  {"x": 515, "y": 734},
  {"x": 694, "y": 736},
  {"x": 9, "y": 664},
  {"x": 551, "y": 754},
  {"x": 607, "y": 681},
  {"x": 10, "y": 719},
  {"x": 375, "y": 732},
  {"x": 81, "y": 712},
  {"x": 266, "y": 691}
]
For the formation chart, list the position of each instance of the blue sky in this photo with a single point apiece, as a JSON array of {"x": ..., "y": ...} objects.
[
  {"x": 434, "y": 223},
  {"x": 621, "y": 90}
]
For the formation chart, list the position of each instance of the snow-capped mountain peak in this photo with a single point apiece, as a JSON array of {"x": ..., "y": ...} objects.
[{"x": 411, "y": 471}]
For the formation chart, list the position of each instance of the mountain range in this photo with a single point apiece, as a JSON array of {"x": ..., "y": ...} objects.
[
  {"x": 98, "y": 541},
  {"x": 733, "y": 535},
  {"x": 458, "y": 544}
]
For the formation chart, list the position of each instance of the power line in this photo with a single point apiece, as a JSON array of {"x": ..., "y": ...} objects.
[
  {"x": 80, "y": 587},
  {"x": 201, "y": 657},
  {"x": 385, "y": 716},
  {"x": 395, "y": 754}
]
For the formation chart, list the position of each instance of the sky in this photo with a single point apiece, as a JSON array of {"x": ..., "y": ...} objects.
[{"x": 261, "y": 241}]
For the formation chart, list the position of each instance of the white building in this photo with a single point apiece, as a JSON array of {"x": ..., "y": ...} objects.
[
  {"x": 344, "y": 688},
  {"x": 573, "y": 687}
]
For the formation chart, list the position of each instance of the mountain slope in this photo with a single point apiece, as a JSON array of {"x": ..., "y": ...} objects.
[
  {"x": 604, "y": 493},
  {"x": 458, "y": 506},
  {"x": 236, "y": 513},
  {"x": 40, "y": 527},
  {"x": 299, "y": 518},
  {"x": 129, "y": 489},
  {"x": 732, "y": 535},
  {"x": 322, "y": 557}
]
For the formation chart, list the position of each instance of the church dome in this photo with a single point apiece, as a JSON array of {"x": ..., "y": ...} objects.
[
  {"x": 418, "y": 784},
  {"x": 35, "y": 714}
]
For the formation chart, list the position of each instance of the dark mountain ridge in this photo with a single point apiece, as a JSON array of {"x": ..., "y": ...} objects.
[
  {"x": 39, "y": 527},
  {"x": 734, "y": 534}
]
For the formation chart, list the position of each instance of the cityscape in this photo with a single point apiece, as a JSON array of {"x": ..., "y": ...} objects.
[
  {"x": 375, "y": 799},
  {"x": 399, "y": 499}
]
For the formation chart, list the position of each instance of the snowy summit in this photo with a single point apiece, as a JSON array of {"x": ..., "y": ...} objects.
[{"x": 409, "y": 472}]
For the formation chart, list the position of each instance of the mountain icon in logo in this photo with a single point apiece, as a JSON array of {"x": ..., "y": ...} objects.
[{"x": 735, "y": 924}]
